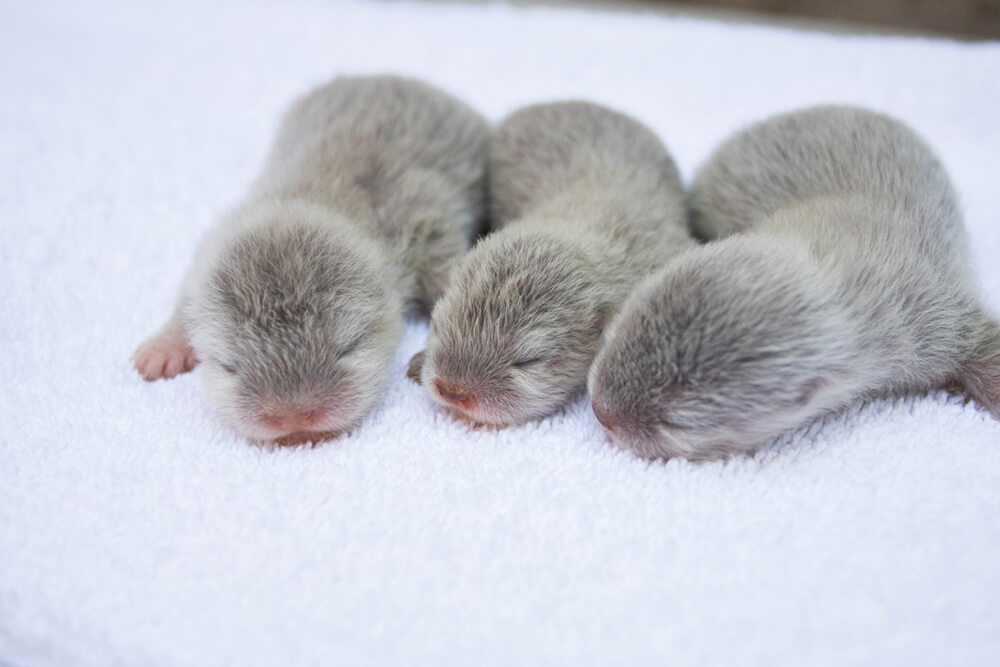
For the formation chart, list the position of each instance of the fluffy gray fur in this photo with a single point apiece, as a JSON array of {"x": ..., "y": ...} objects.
[
  {"x": 373, "y": 190},
  {"x": 849, "y": 279},
  {"x": 588, "y": 202}
]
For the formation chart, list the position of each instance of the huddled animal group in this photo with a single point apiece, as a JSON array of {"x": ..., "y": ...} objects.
[{"x": 818, "y": 258}]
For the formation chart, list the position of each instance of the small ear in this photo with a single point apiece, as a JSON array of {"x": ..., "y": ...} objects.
[
  {"x": 980, "y": 373},
  {"x": 415, "y": 367},
  {"x": 808, "y": 391}
]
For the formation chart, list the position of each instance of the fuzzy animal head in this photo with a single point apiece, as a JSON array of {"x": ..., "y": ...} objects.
[
  {"x": 729, "y": 346},
  {"x": 295, "y": 324},
  {"x": 513, "y": 336}
]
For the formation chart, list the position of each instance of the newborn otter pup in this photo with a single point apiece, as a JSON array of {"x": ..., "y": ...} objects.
[
  {"x": 373, "y": 190},
  {"x": 588, "y": 202},
  {"x": 848, "y": 279}
]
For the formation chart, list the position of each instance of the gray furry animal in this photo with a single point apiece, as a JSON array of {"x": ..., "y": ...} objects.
[
  {"x": 373, "y": 190},
  {"x": 588, "y": 202},
  {"x": 840, "y": 272}
]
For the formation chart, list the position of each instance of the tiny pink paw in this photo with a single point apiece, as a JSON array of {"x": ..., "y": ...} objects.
[{"x": 164, "y": 356}]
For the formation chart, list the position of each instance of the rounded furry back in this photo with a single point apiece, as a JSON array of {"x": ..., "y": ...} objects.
[{"x": 837, "y": 270}]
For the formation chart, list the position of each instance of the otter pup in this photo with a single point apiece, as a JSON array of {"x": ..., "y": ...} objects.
[
  {"x": 840, "y": 272},
  {"x": 587, "y": 202},
  {"x": 295, "y": 302}
]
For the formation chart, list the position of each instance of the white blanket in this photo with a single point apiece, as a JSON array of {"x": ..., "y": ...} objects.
[{"x": 135, "y": 530}]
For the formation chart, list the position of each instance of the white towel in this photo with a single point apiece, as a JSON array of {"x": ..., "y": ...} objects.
[{"x": 135, "y": 530}]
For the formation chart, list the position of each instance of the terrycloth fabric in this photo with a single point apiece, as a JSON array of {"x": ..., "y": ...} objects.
[{"x": 134, "y": 530}]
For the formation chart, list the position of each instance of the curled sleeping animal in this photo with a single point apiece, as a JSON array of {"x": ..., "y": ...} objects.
[
  {"x": 839, "y": 271},
  {"x": 587, "y": 202},
  {"x": 374, "y": 189}
]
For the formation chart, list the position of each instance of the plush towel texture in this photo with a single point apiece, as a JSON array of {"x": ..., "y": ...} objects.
[{"x": 134, "y": 530}]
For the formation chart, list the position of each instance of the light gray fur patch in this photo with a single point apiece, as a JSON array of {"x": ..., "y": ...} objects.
[
  {"x": 837, "y": 269},
  {"x": 587, "y": 202},
  {"x": 374, "y": 189}
]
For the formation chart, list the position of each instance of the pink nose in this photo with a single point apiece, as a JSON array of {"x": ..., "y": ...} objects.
[
  {"x": 607, "y": 418},
  {"x": 454, "y": 394},
  {"x": 292, "y": 419}
]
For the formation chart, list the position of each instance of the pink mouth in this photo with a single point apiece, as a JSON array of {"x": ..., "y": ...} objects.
[
  {"x": 296, "y": 424},
  {"x": 304, "y": 438},
  {"x": 464, "y": 404},
  {"x": 293, "y": 420},
  {"x": 454, "y": 395}
]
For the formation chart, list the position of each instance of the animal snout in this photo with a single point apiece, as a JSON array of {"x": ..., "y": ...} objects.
[
  {"x": 454, "y": 394},
  {"x": 290, "y": 420},
  {"x": 606, "y": 416}
]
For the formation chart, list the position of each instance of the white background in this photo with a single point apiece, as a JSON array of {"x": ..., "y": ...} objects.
[{"x": 135, "y": 530}]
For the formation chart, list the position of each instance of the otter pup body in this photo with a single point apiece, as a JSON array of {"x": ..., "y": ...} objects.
[
  {"x": 587, "y": 202},
  {"x": 837, "y": 270},
  {"x": 373, "y": 190}
]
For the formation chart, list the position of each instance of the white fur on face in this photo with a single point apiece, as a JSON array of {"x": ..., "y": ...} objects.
[
  {"x": 343, "y": 402},
  {"x": 513, "y": 330},
  {"x": 287, "y": 316}
]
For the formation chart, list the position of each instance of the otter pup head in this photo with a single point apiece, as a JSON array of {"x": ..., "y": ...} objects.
[
  {"x": 731, "y": 345},
  {"x": 294, "y": 321},
  {"x": 513, "y": 336}
]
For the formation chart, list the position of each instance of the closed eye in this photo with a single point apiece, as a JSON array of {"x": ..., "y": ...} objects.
[
  {"x": 351, "y": 346},
  {"x": 524, "y": 363},
  {"x": 229, "y": 368}
]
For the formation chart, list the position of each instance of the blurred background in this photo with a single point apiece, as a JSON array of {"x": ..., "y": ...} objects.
[{"x": 962, "y": 19}]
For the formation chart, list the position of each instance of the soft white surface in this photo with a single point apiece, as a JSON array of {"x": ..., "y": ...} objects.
[{"x": 134, "y": 531}]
